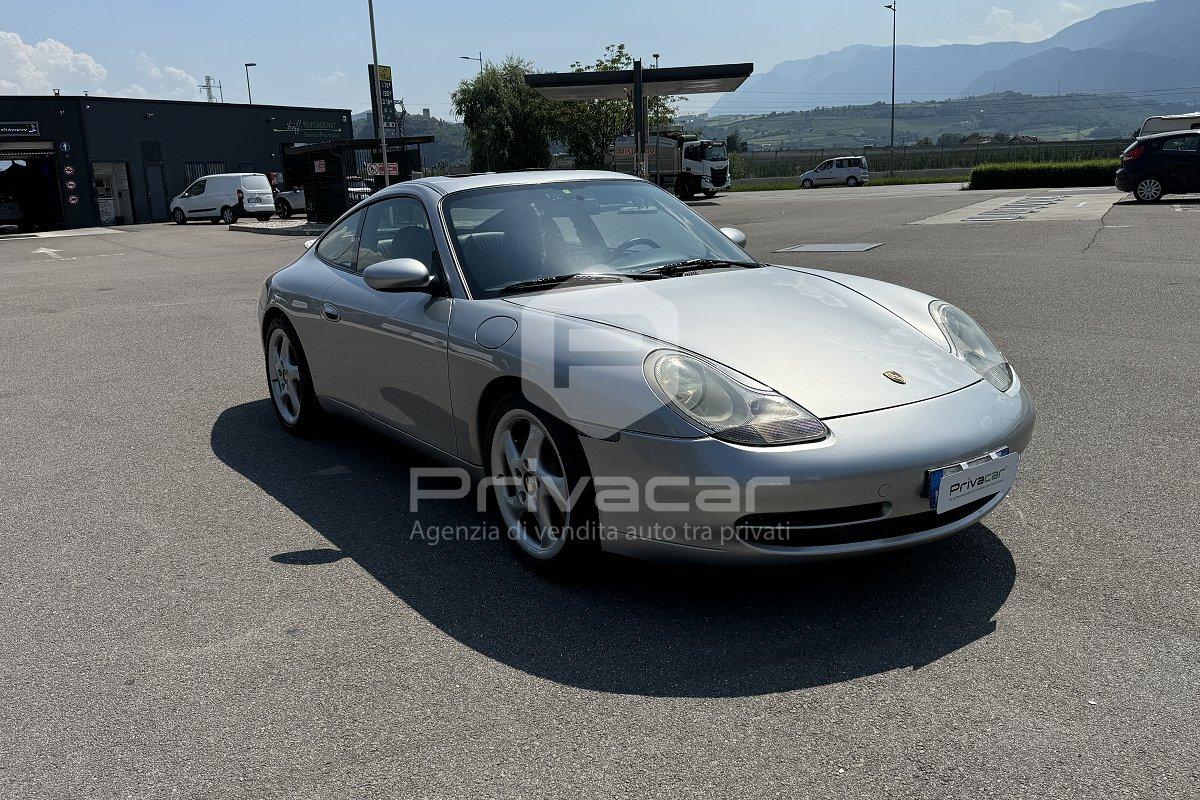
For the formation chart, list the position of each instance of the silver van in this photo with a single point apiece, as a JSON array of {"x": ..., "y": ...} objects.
[
  {"x": 225, "y": 198},
  {"x": 840, "y": 171}
]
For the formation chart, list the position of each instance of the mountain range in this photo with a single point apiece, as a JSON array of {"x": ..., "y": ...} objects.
[{"x": 1142, "y": 48}]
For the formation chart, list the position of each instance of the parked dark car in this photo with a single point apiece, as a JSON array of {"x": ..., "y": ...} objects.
[{"x": 1165, "y": 163}]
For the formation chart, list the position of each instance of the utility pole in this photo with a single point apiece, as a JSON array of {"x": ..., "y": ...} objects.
[
  {"x": 249, "y": 97},
  {"x": 387, "y": 181},
  {"x": 892, "y": 166},
  {"x": 207, "y": 86}
]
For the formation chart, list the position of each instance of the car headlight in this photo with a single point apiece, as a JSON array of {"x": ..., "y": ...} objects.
[
  {"x": 727, "y": 408},
  {"x": 972, "y": 345}
]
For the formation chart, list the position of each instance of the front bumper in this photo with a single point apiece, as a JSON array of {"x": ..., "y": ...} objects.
[{"x": 875, "y": 459}]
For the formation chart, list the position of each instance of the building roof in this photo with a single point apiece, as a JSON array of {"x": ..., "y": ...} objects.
[{"x": 615, "y": 84}]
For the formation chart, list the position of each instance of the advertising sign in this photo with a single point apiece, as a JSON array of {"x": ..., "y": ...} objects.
[
  {"x": 385, "y": 97},
  {"x": 18, "y": 129}
]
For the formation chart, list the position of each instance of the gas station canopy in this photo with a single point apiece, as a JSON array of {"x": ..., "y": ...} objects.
[{"x": 617, "y": 84}]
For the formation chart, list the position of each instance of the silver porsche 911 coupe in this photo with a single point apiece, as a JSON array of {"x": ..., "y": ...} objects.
[{"x": 606, "y": 370}]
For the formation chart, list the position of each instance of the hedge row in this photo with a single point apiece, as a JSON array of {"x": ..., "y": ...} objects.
[{"x": 1032, "y": 175}]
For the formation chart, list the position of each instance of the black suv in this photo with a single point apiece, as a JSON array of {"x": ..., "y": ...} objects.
[{"x": 1165, "y": 163}]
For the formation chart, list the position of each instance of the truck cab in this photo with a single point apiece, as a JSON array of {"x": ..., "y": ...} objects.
[{"x": 680, "y": 162}]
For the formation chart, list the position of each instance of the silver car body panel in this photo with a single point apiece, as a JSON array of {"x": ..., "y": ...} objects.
[{"x": 424, "y": 366}]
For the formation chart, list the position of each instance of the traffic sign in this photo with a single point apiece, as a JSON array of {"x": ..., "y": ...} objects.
[
  {"x": 73, "y": 199},
  {"x": 375, "y": 170},
  {"x": 319, "y": 166},
  {"x": 70, "y": 186},
  {"x": 68, "y": 170}
]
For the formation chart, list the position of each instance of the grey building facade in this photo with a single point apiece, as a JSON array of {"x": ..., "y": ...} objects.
[{"x": 71, "y": 162}]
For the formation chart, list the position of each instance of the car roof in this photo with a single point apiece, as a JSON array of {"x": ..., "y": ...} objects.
[
  {"x": 229, "y": 175},
  {"x": 1166, "y": 134},
  {"x": 457, "y": 183}
]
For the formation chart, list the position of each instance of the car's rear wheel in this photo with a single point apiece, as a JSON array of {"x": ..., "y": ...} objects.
[
  {"x": 852, "y": 181},
  {"x": 179, "y": 217},
  {"x": 228, "y": 215},
  {"x": 288, "y": 379},
  {"x": 262, "y": 217},
  {"x": 1148, "y": 190},
  {"x": 284, "y": 208},
  {"x": 710, "y": 192},
  {"x": 806, "y": 183},
  {"x": 541, "y": 489}
]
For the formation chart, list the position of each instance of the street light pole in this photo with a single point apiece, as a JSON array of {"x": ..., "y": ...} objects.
[
  {"x": 657, "y": 137},
  {"x": 249, "y": 96},
  {"x": 892, "y": 156},
  {"x": 387, "y": 181},
  {"x": 478, "y": 58}
]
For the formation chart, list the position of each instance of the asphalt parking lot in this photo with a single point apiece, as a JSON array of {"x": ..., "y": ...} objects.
[{"x": 198, "y": 605}]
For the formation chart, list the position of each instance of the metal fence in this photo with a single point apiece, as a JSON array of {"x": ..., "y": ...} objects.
[{"x": 782, "y": 163}]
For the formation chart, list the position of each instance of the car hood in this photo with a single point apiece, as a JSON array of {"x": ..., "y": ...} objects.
[{"x": 815, "y": 341}]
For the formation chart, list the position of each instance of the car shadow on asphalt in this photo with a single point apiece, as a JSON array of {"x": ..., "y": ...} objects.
[{"x": 631, "y": 627}]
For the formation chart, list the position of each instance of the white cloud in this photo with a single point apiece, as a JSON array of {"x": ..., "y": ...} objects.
[
  {"x": 1073, "y": 11},
  {"x": 1001, "y": 26},
  {"x": 43, "y": 67},
  {"x": 333, "y": 77},
  {"x": 168, "y": 82}
]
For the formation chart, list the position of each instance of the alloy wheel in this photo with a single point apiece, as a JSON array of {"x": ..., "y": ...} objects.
[
  {"x": 530, "y": 484},
  {"x": 1150, "y": 189},
  {"x": 284, "y": 375}
]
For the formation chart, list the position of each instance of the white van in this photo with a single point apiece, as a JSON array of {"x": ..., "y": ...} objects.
[
  {"x": 845, "y": 170},
  {"x": 224, "y": 198},
  {"x": 1178, "y": 122}
]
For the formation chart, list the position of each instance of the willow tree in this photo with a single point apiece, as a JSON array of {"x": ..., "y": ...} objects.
[{"x": 508, "y": 124}]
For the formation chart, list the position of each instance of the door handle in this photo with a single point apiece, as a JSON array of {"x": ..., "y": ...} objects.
[{"x": 330, "y": 312}]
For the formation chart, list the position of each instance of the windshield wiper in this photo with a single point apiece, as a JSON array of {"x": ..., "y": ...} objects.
[
  {"x": 554, "y": 280},
  {"x": 694, "y": 264}
]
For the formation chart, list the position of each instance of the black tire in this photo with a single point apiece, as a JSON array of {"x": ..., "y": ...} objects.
[
  {"x": 284, "y": 208},
  {"x": 179, "y": 217},
  {"x": 852, "y": 181},
  {"x": 683, "y": 188},
  {"x": 807, "y": 183},
  {"x": 1149, "y": 189},
  {"x": 580, "y": 549},
  {"x": 710, "y": 192},
  {"x": 229, "y": 216},
  {"x": 308, "y": 416}
]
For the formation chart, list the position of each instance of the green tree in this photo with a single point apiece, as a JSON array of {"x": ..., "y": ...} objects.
[
  {"x": 734, "y": 143},
  {"x": 508, "y": 124},
  {"x": 999, "y": 137},
  {"x": 948, "y": 140},
  {"x": 587, "y": 128}
]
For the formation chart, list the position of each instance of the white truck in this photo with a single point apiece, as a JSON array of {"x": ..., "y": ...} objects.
[{"x": 683, "y": 163}]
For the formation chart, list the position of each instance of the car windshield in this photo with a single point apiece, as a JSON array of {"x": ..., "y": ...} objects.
[
  {"x": 504, "y": 235},
  {"x": 716, "y": 152}
]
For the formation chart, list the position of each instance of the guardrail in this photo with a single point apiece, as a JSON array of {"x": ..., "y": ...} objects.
[{"x": 794, "y": 162}]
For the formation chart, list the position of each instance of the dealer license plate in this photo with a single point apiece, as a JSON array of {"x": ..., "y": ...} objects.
[{"x": 951, "y": 487}]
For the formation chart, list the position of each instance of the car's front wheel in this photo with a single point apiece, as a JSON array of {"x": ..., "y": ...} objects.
[
  {"x": 806, "y": 183},
  {"x": 288, "y": 379},
  {"x": 1148, "y": 190},
  {"x": 179, "y": 217},
  {"x": 541, "y": 489}
]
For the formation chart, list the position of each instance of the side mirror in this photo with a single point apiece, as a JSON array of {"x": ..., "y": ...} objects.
[
  {"x": 735, "y": 236},
  {"x": 398, "y": 275},
  {"x": 185, "y": 194},
  {"x": 308, "y": 243}
]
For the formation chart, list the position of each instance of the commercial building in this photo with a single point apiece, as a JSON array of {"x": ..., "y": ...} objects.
[{"x": 71, "y": 162}]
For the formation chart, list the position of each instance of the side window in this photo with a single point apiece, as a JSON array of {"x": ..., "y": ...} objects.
[
  {"x": 397, "y": 228},
  {"x": 824, "y": 166},
  {"x": 1181, "y": 144},
  {"x": 340, "y": 245},
  {"x": 196, "y": 188}
]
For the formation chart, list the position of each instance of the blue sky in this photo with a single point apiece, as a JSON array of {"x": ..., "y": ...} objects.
[{"x": 316, "y": 53}]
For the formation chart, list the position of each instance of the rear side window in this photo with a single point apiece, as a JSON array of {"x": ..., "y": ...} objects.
[
  {"x": 256, "y": 183},
  {"x": 340, "y": 246},
  {"x": 1181, "y": 144}
]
